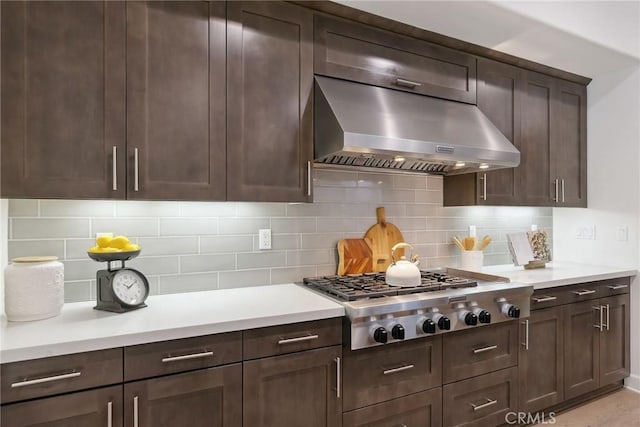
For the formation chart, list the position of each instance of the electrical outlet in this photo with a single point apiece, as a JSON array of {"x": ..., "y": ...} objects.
[
  {"x": 264, "y": 238},
  {"x": 534, "y": 227},
  {"x": 622, "y": 233},
  {"x": 587, "y": 232}
]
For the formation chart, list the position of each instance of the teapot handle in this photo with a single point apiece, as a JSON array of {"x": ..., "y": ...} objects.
[{"x": 398, "y": 246}]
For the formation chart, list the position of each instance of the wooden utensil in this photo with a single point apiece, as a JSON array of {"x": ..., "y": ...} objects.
[
  {"x": 458, "y": 243},
  {"x": 383, "y": 236},
  {"x": 484, "y": 243},
  {"x": 354, "y": 256}
]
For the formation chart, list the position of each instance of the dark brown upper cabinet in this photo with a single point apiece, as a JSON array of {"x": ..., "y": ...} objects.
[
  {"x": 63, "y": 99},
  {"x": 269, "y": 108},
  {"x": 176, "y": 100},
  {"x": 354, "y": 51},
  {"x": 499, "y": 91}
]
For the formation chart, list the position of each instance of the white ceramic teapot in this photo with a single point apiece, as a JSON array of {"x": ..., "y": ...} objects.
[{"x": 403, "y": 272}]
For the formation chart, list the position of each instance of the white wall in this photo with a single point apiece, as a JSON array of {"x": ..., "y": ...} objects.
[{"x": 4, "y": 224}]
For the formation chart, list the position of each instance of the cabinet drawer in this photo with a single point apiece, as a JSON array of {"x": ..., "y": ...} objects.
[
  {"x": 284, "y": 339},
  {"x": 167, "y": 357},
  {"x": 615, "y": 286},
  {"x": 479, "y": 350},
  {"x": 550, "y": 297},
  {"x": 60, "y": 374},
  {"x": 383, "y": 373},
  {"x": 481, "y": 401},
  {"x": 366, "y": 54},
  {"x": 422, "y": 409}
]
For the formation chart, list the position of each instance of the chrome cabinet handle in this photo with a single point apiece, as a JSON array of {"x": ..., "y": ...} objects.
[
  {"x": 407, "y": 83},
  {"x": 114, "y": 168},
  {"x": 562, "y": 185},
  {"x": 557, "y": 199},
  {"x": 526, "y": 334},
  {"x": 135, "y": 411},
  {"x": 46, "y": 379},
  {"x": 338, "y": 377},
  {"x": 484, "y": 186},
  {"x": 484, "y": 405},
  {"x": 136, "y": 168},
  {"x": 308, "y": 178},
  {"x": 396, "y": 370},
  {"x": 599, "y": 326},
  {"x": 298, "y": 339},
  {"x": 607, "y": 316},
  {"x": 187, "y": 357},
  {"x": 110, "y": 414},
  {"x": 616, "y": 287},
  {"x": 585, "y": 292},
  {"x": 544, "y": 299},
  {"x": 483, "y": 349}
]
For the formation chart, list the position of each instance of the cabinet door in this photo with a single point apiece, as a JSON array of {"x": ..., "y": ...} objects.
[
  {"x": 205, "y": 398},
  {"x": 537, "y": 173},
  {"x": 422, "y": 409},
  {"x": 176, "y": 100},
  {"x": 83, "y": 409},
  {"x": 269, "y": 109},
  {"x": 359, "y": 52},
  {"x": 569, "y": 149},
  {"x": 614, "y": 340},
  {"x": 293, "y": 390},
  {"x": 581, "y": 347},
  {"x": 541, "y": 363},
  {"x": 63, "y": 99}
]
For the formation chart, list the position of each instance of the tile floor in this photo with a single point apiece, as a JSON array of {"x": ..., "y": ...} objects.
[{"x": 619, "y": 409}]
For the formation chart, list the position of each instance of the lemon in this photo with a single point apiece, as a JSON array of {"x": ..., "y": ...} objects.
[
  {"x": 95, "y": 249},
  {"x": 119, "y": 242},
  {"x": 131, "y": 247},
  {"x": 104, "y": 241},
  {"x": 110, "y": 250}
]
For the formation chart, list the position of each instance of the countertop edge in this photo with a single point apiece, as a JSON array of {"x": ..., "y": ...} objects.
[{"x": 584, "y": 279}]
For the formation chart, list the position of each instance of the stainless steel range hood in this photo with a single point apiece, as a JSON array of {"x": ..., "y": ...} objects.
[{"x": 362, "y": 126}]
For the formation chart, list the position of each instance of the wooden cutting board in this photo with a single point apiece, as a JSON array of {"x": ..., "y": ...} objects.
[
  {"x": 354, "y": 256},
  {"x": 383, "y": 235}
]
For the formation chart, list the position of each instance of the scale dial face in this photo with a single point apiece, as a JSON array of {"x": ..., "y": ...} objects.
[{"x": 130, "y": 287}]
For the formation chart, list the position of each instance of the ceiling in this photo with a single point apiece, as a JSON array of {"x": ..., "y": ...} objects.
[{"x": 589, "y": 38}]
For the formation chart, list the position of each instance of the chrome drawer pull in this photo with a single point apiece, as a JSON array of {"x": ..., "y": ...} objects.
[
  {"x": 544, "y": 299},
  {"x": 187, "y": 357},
  {"x": 299, "y": 339},
  {"x": 484, "y": 405},
  {"x": 396, "y": 370},
  {"x": 110, "y": 414},
  {"x": 46, "y": 379},
  {"x": 616, "y": 287},
  {"x": 407, "y": 83},
  {"x": 136, "y": 414},
  {"x": 585, "y": 292},
  {"x": 483, "y": 349},
  {"x": 338, "y": 376}
]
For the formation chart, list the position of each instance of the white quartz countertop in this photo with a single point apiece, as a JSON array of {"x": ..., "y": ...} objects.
[
  {"x": 81, "y": 328},
  {"x": 558, "y": 273}
]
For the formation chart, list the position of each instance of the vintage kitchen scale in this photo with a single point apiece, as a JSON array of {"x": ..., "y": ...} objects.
[{"x": 119, "y": 289}]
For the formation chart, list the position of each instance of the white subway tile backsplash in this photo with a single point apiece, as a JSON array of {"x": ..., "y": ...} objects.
[
  {"x": 242, "y": 225},
  {"x": 48, "y": 228},
  {"x": 196, "y": 246},
  {"x": 23, "y": 207},
  {"x": 76, "y": 208},
  {"x": 201, "y": 263},
  {"x": 188, "y": 226},
  {"x": 130, "y": 227},
  {"x": 20, "y": 248}
]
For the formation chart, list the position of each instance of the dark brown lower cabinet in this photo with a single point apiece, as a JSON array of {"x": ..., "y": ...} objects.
[
  {"x": 481, "y": 401},
  {"x": 422, "y": 409},
  {"x": 205, "y": 398},
  {"x": 100, "y": 407},
  {"x": 540, "y": 365},
  {"x": 581, "y": 344},
  {"x": 293, "y": 390},
  {"x": 614, "y": 340}
]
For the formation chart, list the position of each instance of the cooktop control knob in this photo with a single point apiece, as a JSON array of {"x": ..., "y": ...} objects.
[
  {"x": 397, "y": 332},
  {"x": 510, "y": 310},
  {"x": 444, "y": 323},
  {"x": 468, "y": 318},
  {"x": 483, "y": 315},
  {"x": 428, "y": 326},
  {"x": 380, "y": 335}
]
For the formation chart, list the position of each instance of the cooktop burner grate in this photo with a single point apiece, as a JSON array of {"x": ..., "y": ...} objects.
[{"x": 373, "y": 285}]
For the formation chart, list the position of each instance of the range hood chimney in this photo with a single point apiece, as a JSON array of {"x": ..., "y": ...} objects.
[{"x": 362, "y": 126}]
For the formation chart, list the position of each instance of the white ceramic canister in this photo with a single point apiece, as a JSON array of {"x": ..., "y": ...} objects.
[{"x": 33, "y": 288}]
